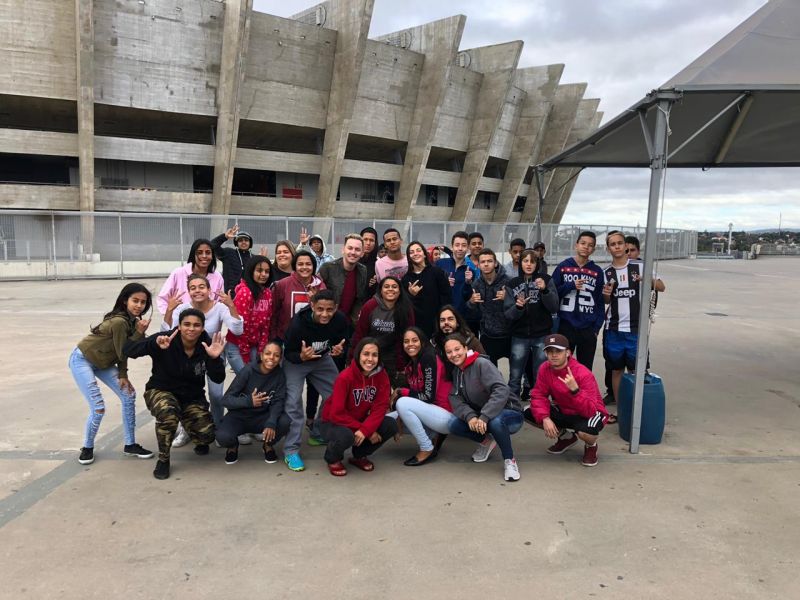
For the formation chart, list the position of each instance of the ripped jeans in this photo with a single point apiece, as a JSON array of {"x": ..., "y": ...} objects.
[{"x": 86, "y": 376}]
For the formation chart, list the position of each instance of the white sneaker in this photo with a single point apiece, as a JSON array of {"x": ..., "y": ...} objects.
[
  {"x": 258, "y": 437},
  {"x": 511, "y": 469},
  {"x": 484, "y": 449},
  {"x": 245, "y": 439},
  {"x": 181, "y": 437}
]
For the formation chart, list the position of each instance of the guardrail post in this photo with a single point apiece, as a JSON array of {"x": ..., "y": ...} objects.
[
  {"x": 55, "y": 252},
  {"x": 180, "y": 229},
  {"x": 121, "y": 267}
]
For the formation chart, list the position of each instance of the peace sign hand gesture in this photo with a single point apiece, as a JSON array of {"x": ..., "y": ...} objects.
[
  {"x": 569, "y": 381},
  {"x": 414, "y": 288},
  {"x": 216, "y": 347},
  {"x": 521, "y": 300},
  {"x": 231, "y": 233},
  {"x": 164, "y": 341},
  {"x": 304, "y": 236},
  {"x": 225, "y": 298}
]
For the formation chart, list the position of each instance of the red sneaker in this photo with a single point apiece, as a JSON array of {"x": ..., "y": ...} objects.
[
  {"x": 589, "y": 456},
  {"x": 562, "y": 444}
]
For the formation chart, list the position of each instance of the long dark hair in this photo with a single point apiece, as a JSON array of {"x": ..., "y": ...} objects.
[
  {"x": 463, "y": 328},
  {"x": 402, "y": 308},
  {"x": 212, "y": 266},
  {"x": 424, "y": 252},
  {"x": 425, "y": 343},
  {"x": 121, "y": 304},
  {"x": 256, "y": 289},
  {"x": 360, "y": 347}
]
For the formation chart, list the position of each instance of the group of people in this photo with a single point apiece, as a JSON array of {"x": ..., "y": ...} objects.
[{"x": 407, "y": 341}]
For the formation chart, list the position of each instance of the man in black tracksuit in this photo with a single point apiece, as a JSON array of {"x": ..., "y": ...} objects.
[
  {"x": 488, "y": 292},
  {"x": 233, "y": 259}
]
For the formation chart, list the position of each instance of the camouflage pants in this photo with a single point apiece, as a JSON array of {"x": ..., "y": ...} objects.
[{"x": 168, "y": 412}]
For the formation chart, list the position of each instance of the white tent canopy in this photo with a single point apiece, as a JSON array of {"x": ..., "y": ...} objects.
[{"x": 737, "y": 105}]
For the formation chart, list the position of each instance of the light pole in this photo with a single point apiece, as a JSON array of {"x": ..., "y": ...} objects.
[{"x": 730, "y": 237}]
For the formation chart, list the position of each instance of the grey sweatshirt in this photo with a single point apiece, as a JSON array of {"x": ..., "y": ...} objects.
[{"x": 479, "y": 390}]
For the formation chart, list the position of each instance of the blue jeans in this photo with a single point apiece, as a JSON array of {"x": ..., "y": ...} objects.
[
  {"x": 502, "y": 427},
  {"x": 234, "y": 357},
  {"x": 86, "y": 376},
  {"x": 521, "y": 348},
  {"x": 321, "y": 373},
  {"x": 421, "y": 417}
]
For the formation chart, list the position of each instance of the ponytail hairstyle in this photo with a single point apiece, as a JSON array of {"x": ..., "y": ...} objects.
[{"x": 121, "y": 304}]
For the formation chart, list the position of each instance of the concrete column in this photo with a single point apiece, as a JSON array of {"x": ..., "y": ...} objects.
[
  {"x": 235, "y": 37},
  {"x": 352, "y": 19},
  {"x": 438, "y": 41},
  {"x": 498, "y": 64},
  {"x": 566, "y": 192},
  {"x": 84, "y": 45},
  {"x": 559, "y": 124},
  {"x": 539, "y": 84}
]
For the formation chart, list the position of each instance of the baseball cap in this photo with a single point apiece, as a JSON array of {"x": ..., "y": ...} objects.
[
  {"x": 556, "y": 340},
  {"x": 538, "y": 245}
]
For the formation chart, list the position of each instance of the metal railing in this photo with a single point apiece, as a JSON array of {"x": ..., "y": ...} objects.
[{"x": 69, "y": 244}]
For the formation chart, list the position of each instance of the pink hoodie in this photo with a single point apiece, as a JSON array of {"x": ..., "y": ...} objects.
[{"x": 586, "y": 403}]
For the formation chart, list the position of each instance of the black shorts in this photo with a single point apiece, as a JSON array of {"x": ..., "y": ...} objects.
[
  {"x": 593, "y": 425},
  {"x": 496, "y": 348}
]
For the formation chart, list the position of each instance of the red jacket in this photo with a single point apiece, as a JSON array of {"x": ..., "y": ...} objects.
[
  {"x": 586, "y": 403},
  {"x": 289, "y": 297},
  {"x": 358, "y": 401},
  {"x": 427, "y": 380},
  {"x": 257, "y": 319}
]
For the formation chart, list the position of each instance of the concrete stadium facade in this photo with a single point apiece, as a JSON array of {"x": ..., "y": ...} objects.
[{"x": 208, "y": 107}]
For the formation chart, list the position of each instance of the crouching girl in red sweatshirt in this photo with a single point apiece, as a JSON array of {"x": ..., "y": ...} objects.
[{"x": 355, "y": 414}]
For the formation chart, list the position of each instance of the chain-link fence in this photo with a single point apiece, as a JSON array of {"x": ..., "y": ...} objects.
[{"x": 60, "y": 245}]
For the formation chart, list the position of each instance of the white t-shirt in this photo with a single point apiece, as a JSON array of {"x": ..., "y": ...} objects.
[{"x": 218, "y": 316}]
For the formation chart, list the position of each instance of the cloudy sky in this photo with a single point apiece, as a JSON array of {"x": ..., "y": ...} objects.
[{"x": 622, "y": 49}]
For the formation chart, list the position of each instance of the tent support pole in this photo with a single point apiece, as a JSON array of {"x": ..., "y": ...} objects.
[
  {"x": 538, "y": 175},
  {"x": 658, "y": 166}
]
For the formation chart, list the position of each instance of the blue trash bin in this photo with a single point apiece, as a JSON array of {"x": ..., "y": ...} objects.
[{"x": 653, "y": 409}]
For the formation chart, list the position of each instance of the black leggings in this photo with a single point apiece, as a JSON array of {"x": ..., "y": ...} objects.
[{"x": 340, "y": 438}]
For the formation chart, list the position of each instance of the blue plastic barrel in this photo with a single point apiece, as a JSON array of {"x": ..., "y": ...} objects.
[{"x": 653, "y": 409}]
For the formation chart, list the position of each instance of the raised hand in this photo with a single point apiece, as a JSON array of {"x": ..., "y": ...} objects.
[
  {"x": 225, "y": 298},
  {"x": 338, "y": 349},
  {"x": 307, "y": 352},
  {"x": 163, "y": 341},
  {"x": 174, "y": 301},
  {"x": 258, "y": 398},
  {"x": 263, "y": 251},
  {"x": 476, "y": 298},
  {"x": 231, "y": 233},
  {"x": 501, "y": 294},
  {"x": 304, "y": 236},
  {"x": 216, "y": 347},
  {"x": 468, "y": 275},
  {"x": 569, "y": 381},
  {"x": 521, "y": 300},
  {"x": 312, "y": 291},
  {"x": 539, "y": 283},
  {"x": 142, "y": 325},
  {"x": 414, "y": 288},
  {"x": 373, "y": 280}
]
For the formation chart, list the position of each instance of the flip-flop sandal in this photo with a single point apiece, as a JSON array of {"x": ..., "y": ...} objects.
[
  {"x": 612, "y": 419},
  {"x": 337, "y": 469},
  {"x": 362, "y": 463}
]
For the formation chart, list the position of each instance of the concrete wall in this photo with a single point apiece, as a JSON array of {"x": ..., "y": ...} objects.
[
  {"x": 288, "y": 75},
  {"x": 144, "y": 175},
  {"x": 458, "y": 108},
  {"x": 161, "y": 55},
  {"x": 387, "y": 91},
  {"x": 503, "y": 140},
  {"x": 38, "y": 48}
]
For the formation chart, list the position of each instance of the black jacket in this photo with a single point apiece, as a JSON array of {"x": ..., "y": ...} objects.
[
  {"x": 435, "y": 293},
  {"x": 534, "y": 319},
  {"x": 322, "y": 337},
  {"x": 334, "y": 276},
  {"x": 239, "y": 396},
  {"x": 183, "y": 376},
  {"x": 233, "y": 262}
]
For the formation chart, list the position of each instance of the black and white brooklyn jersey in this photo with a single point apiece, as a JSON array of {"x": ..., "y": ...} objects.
[{"x": 623, "y": 312}]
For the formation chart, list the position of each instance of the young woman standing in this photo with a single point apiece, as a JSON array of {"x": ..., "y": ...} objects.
[
  {"x": 201, "y": 261},
  {"x": 254, "y": 303},
  {"x": 427, "y": 285},
  {"x": 100, "y": 356},
  {"x": 355, "y": 414},
  {"x": 486, "y": 410},
  {"x": 293, "y": 293},
  {"x": 423, "y": 406},
  {"x": 385, "y": 317}
]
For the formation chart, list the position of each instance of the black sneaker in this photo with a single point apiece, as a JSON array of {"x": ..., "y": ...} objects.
[
  {"x": 137, "y": 451},
  {"x": 232, "y": 455},
  {"x": 87, "y": 456},
  {"x": 270, "y": 456},
  {"x": 201, "y": 449},
  {"x": 162, "y": 469}
]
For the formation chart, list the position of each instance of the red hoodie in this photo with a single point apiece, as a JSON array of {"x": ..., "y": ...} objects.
[
  {"x": 358, "y": 401},
  {"x": 586, "y": 403}
]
